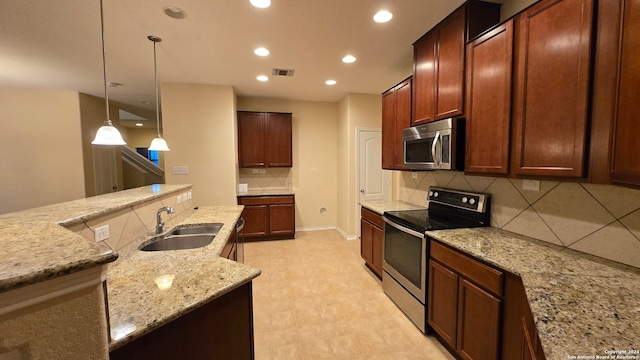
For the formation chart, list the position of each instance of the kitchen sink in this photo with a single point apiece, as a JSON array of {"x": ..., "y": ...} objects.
[
  {"x": 183, "y": 237},
  {"x": 196, "y": 229}
]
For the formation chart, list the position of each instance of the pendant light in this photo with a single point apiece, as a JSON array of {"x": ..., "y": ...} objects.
[
  {"x": 107, "y": 134},
  {"x": 158, "y": 143}
]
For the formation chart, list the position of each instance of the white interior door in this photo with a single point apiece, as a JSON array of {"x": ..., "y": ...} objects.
[{"x": 373, "y": 182}]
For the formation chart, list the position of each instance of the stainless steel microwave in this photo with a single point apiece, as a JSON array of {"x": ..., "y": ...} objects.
[{"x": 435, "y": 145}]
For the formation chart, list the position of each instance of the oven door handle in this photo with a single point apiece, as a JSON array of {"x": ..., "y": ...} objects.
[
  {"x": 433, "y": 149},
  {"x": 403, "y": 229}
]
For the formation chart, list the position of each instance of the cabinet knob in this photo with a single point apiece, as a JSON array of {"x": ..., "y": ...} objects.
[{"x": 362, "y": 191}]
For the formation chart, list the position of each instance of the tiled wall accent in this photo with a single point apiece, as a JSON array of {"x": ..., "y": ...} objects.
[
  {"x": 129, "y": 224},
  {"x": 602, "y": 220},
  {"x": 272, "y": 178}
]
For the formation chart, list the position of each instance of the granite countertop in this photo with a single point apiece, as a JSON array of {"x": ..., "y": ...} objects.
[
  {"x": 380, "y": 206},
  {"x": 37, "y": 246},
  {"x": 267, "y": 192},
  {"x": 149, "y": 289},
  {"x": 582, "y": 305}
]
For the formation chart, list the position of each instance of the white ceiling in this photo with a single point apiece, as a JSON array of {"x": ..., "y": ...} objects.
[{"x": 56, "y": 44}]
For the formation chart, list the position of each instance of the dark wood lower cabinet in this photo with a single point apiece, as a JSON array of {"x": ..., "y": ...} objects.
[
  {"x": 268, "y": 217},
  {"x": 371, "y": 234},
  {"x": 221, "y": 329},
  {"x": 464, "y": 303},
  {"x": 478, "y": 323}
]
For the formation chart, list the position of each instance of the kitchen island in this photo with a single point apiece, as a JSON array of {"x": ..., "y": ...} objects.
[
  {"x": 581, "y": 305},
  {"x": 60, "y": 290}
]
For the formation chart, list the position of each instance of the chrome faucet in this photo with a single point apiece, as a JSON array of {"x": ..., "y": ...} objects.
[{"x": 160, "y": 223}]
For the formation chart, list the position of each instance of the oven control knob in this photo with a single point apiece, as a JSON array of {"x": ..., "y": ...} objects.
[
  {"x": 472, "y": 201},
  {"x": 430, "y": 193},
  {"x": 464, "y": 200},
  {"x": 435, "y": 194}
]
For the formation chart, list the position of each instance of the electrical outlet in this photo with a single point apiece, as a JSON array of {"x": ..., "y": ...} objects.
[
  {"x": 179, "y": 200},
  {"x": 414, "y": 175},
  {"x": 255, "y": 171},
  {"x": 262, "y": 171},
  {"x": 532, "y": 185},
  {"x": 102, "y": 233},
  {"x": 189, "y": 195}
]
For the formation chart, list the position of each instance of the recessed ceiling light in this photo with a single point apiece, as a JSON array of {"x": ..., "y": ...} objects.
[
  {"x": 382, "y": 16},
  {"x": 174, "y": 12},
  {"x": 261, "y": 51},
  {"x": 330, "y": 82},
  {"x": 349, "y": 59},
  {"x": 262, "y": 78},
  {"x": 146, "y": 102},
  {"x": 261, "y": 3},
  {"x": 114, "y": 84},
  {"x": 138, "y": 124}
]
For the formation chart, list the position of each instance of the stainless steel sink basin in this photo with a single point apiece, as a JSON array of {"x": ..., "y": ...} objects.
[
  {"x": 196, "y": 229},
  {"x": 183, "y": 237}
]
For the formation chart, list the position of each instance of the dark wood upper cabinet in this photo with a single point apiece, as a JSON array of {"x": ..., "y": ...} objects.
[
  {"x": 552, "y": 64},
  {"x": 488, "y": 98},
  {"x": 396, "y": 116},
  {"x": 439, "y": 61},
  {"x": 264, "y": 139},
  {"x": 625, "y": 164}
]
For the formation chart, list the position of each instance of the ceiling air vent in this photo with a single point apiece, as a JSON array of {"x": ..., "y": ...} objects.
[{"x": 282, "y": 72}]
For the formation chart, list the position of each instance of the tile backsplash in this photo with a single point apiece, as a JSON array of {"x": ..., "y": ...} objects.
[
  {"x": 602, "y": 220},
  {"x": 270, "y": 178}
]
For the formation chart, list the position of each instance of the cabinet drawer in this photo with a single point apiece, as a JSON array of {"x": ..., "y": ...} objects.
[
  {"x": 264, "y": 200},
  {"x": 372, "y": 217},
  {"x": 483, "y": 275}
]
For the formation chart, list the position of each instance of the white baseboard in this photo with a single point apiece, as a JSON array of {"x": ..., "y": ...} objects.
[
  {"x": 317, "y": 228},
  {"x": 347, "y": 236}
]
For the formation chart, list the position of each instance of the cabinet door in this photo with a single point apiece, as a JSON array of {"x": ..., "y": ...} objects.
[
  {"x": 282, "y": 219},
  {"x": 552, "y": 69},
  {"x": 376, "y": 250},
  {"x": 278, "y": 135},
  {"x": 403, "y": 119},
  {"x": 424, "y": 79},
  {"x": 450, "y": 66},
  {"x": 366, "y": 241},
  {"x": 252, "y": 142},
  {"x": 478, "y": 323},
  {"x": 389, "y": 129},
  {"x": 255, "y": 220},
  {"x": 488, "y": 123},
  {"x": 442, "y": 307},
  {"x": 626, "y": 147}
]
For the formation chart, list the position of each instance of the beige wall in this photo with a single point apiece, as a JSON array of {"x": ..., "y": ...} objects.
[
  {"x": 314, "y": 146},
  {"x": 199, "y": 124},
  {"x": 512, "y": 7},
  {"x": 356, "y": 111},
  {"x": 40, "y": 148},
  {"x": 603, "y": 220},
  {"x": 72, "y": 326}
]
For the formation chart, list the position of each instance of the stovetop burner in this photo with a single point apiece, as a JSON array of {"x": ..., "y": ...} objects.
[{"x": 448, "y": 209}]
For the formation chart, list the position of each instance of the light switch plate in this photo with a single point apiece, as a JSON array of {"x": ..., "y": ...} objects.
[
  {"x": 102, "y": 233},
  {"x": 243, "y": 188},
  {"x": 180, "y": 170},
  {"x": 414, "y": 175},
  {"x": 189, "y": 195},
  {"x": 179, "y": 200},
  {"x": 532, "y": 185}
]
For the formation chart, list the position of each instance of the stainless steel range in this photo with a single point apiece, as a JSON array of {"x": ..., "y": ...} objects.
[{"x": 406, "y": 248}]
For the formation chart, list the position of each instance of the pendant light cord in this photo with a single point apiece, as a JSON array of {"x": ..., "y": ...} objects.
[
  {"x": 104, "y": 66},
  {"x": 155, "y": 81}
]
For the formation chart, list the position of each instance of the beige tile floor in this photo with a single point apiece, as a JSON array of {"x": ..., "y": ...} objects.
[{"x": 315, "y": 299}]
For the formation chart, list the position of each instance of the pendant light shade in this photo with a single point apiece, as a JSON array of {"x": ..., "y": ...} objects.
[
  {"x": 158, "y": 143},
  {"x": 107, "y": 134}
]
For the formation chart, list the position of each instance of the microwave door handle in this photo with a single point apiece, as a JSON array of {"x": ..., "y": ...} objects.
[{"x": 433, "y": 149}]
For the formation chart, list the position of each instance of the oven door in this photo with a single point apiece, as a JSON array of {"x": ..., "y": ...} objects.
[{"x": 405, "y": 258}]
